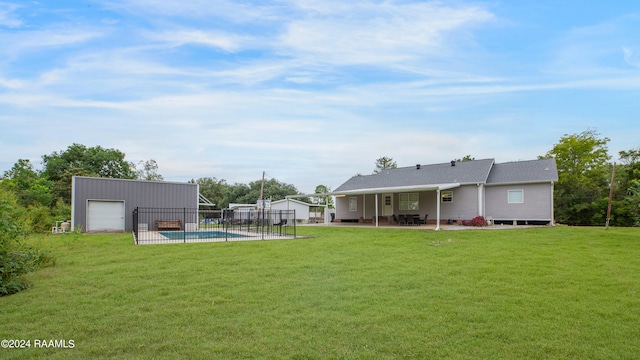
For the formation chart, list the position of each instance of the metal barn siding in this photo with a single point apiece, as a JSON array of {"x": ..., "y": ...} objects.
[{"x": 134, "y": 193}]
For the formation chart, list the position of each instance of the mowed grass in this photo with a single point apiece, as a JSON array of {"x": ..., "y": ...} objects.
[{"x": 349, "y": 293}]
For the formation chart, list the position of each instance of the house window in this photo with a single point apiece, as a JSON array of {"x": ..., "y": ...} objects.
[
  {"x": 516, "y": 196},
  {"x": 446, "y": 196},
  {"x": 353, "y": 204},
  {"x": 409, "y": 201}
]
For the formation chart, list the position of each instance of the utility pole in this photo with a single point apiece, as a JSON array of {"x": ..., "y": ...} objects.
[
  {"x": 613, "y": 175},
  {"x": 262, "y": 186}
]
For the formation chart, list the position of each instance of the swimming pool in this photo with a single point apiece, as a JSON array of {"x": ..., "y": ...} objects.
[{"x": 179, "y": 235}]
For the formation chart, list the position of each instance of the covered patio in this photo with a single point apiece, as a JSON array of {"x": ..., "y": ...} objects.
[{"x": 401, "y": 206}]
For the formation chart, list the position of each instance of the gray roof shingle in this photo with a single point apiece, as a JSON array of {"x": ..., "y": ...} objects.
[
  {"x": 524, "y": 171},
  {"x": 475, "y": 171},
  {"x": 466, "y": 172}
]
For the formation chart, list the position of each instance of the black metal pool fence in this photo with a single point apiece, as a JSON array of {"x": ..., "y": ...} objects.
[{"x": 171, "y": 225}]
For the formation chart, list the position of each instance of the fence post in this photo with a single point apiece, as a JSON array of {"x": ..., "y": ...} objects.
[
  {"x": 184, "y": 225},
  {"x": 135, "y": 224}
]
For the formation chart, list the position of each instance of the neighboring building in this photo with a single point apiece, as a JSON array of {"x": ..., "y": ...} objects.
[
  {"x": 246, "y": 207},
  {"x": 302, "y": 208},
  {"x": 519, "y": 192},
  {"x": 103, "y": 204}
]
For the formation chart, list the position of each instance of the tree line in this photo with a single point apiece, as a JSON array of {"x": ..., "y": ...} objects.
[
  {"x": 585, "y": 174},
  {"x": 581, "y": 193},
  {"x": 44, "y": 194}
]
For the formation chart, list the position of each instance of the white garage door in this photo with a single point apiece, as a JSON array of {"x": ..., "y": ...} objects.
[{"x": 105, "y": 215}]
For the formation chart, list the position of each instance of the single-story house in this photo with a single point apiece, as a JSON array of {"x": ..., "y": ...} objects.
[
  {"x": 520, "y": 191},
  {"x": 104, "y": 204}
]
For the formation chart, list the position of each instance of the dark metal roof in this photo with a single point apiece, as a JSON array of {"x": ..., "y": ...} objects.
[{"x": 448, "y": 175}]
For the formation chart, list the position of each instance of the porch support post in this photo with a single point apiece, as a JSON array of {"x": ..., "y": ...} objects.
[
  {"x": 364, "y": 206},
  {"x": 326, "y": 212},
  {"x": 438, "y": 209},
  {"x": 376, "y": 195}
]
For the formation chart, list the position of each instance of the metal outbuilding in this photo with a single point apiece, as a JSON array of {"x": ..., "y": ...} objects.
[{"x": 104, "y": 204}]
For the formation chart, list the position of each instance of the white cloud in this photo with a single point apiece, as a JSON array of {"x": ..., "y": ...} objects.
[
  {"x": 368, "y": 33},
  {"x": 630, "y": 56},
  {"x": 14, "y": 44},
  {"x": 7, "y": 16},
  {"x": 216, "y": 39},
  {"x": 594, "y": 51},
  {"x": 233, "y": 11}
]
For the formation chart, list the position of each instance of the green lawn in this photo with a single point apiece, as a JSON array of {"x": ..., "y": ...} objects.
[{"x": 349, "y": 293}]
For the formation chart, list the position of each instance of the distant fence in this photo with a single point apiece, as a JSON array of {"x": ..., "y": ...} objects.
[{"x": 175, "y": 225}]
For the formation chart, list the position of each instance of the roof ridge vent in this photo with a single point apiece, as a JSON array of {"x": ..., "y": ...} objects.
[
  {"x": 417, "y": 166},
  {"x": 453, "y": 163}
]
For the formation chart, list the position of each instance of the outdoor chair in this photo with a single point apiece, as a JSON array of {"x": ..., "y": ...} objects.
[{"x": 283, "y": 222}]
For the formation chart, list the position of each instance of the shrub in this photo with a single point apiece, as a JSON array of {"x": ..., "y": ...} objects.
[
  {"x": 16, "y": 259},
  {"x": 39, "y": 219},
  {"x": 477, "y": 221}
]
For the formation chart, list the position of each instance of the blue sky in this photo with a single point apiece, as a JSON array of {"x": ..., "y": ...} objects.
[{"x": 313, "y": 92}]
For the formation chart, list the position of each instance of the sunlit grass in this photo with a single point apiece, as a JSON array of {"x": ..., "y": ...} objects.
[{"x": 352, "y": 293}]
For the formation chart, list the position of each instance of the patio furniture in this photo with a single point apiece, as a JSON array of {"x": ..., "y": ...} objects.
[
  {"x": 168, "y": 225},
  {"x": 283, "y": 222}
]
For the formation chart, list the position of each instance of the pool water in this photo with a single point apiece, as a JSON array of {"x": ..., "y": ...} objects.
[{"x": 179, "y": 235}]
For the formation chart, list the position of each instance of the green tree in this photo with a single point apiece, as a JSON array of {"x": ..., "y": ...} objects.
[
  {"x": 31, "y": 188},
  {"x": 323, "y": 199},
  {"x": 631, "y": 159},
  {"x": 273, "y": 189},
  {"x": 79, "y": 160},
  {"x": 249, "y": 194},
  {"x": 384, "y": 163},
  {"x": 214, "y": 190},
  {"x": 582, "y": 162},
  {"x": 633, "y": 199},
  {"x": 628, "y": 186},
  {"x": 240, "y": 194},
  {"x": 16, "y": 259},
  {"x": 466, "y": 158},
  {"x": 148, "y": 170}
]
